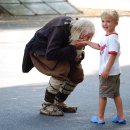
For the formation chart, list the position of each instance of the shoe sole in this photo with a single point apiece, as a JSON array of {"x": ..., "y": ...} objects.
[{"x": 50, "y": 114}]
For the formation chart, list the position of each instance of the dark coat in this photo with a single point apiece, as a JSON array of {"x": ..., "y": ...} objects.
[{"x": 51, "y": 41}]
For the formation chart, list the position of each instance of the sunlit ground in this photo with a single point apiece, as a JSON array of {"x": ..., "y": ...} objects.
[
  {"x": 102, "y": 4},
  {"x": 12, "y": 43}
]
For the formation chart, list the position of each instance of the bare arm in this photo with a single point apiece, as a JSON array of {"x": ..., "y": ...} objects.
[
  {"x": 80, "y": 44},
  {"x": 111, "y": 61},
  {"x": 93, "y": 45}
]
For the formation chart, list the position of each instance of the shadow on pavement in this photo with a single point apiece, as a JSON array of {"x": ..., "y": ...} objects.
[{"x": 19, "y": 107}]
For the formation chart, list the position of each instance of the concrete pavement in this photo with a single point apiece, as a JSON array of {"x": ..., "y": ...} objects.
[
  {"x": 21, "y": 94},
  {"x": 19, "y": 107}
]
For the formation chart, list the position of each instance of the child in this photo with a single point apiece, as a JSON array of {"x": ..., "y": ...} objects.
[{"x": 109, "y": 70}]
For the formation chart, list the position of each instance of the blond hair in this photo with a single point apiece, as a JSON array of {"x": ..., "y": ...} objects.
[{"x": 110, "y": 13}]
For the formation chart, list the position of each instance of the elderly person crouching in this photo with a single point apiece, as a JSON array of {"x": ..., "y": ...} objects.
[{"x": 55, "y": 52}]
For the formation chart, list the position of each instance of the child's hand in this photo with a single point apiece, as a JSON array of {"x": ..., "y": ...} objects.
[
  {"x": 79, "y": 44},
  {"x": 105, "y": 74}
]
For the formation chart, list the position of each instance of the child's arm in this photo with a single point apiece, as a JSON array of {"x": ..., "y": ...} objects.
[
  {"x": 111, "y": 61},
  {"x": 80, "y": 44},
  {"x": 93, "y": 45}
]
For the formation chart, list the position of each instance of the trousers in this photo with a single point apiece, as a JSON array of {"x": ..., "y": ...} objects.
[{"x": 64, "y": 77}]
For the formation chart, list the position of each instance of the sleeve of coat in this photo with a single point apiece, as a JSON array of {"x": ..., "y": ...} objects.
[{"x": 58, "y": 47}]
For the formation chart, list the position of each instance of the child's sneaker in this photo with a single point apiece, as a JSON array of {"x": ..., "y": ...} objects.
[
  {"x": 94, "y": 119},
  {"x": 116, "y": 120}
]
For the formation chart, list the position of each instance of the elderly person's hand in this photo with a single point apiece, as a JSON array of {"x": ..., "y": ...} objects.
[{"x": 80, "y": 57}]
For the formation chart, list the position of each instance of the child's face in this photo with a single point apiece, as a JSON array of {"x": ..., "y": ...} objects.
[{"x": 109, "y": 24}]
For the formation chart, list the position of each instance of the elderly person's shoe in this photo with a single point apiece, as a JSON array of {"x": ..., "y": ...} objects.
[
  {"x": 51, "y": 110},
  {"x": 65, "y": 108}
]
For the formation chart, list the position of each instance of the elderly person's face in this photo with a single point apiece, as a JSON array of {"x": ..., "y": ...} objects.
[{"x": 85, "y": 36}]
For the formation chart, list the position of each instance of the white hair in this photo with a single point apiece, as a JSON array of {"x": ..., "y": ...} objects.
[{"x": 80, "y": 25}]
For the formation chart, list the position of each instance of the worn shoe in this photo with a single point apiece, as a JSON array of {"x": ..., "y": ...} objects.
[
  {"x": 65, "y": 108},
  {"x": 116, "y": 120},
  {"x": 51, "y": 110},
  {"x": 94, "y": 119}
]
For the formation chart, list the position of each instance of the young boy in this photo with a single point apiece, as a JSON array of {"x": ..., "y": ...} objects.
[{"x": 109, "y": 69}]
